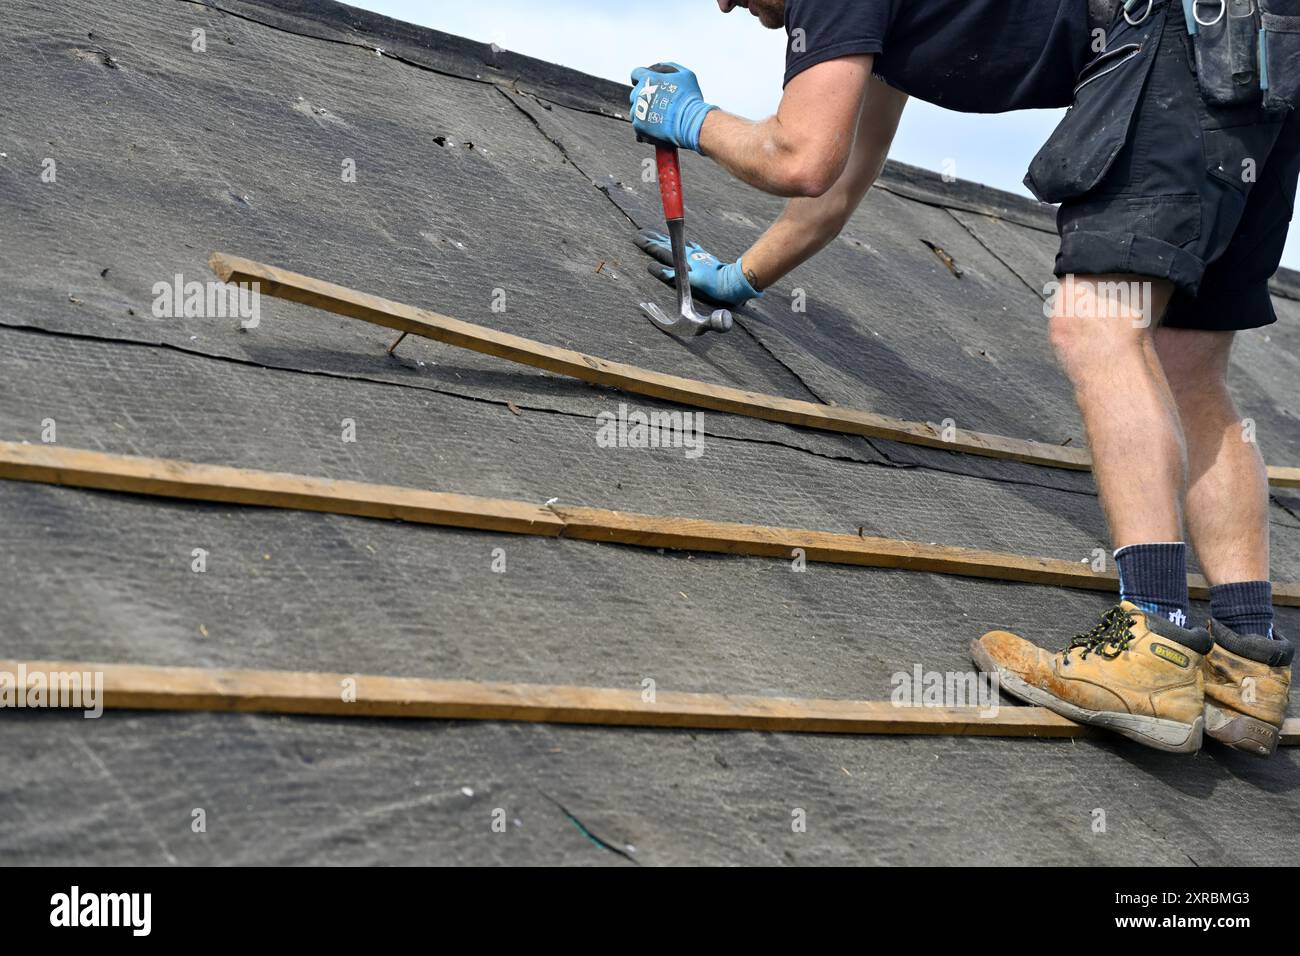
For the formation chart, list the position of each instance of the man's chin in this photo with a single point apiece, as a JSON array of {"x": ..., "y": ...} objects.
[{"x": 770, "y": 14}]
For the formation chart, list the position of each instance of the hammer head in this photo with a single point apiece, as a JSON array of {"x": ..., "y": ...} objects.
[{"x": 688, "y": 321}]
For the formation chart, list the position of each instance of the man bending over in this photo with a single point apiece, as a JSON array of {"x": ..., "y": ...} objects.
[{"x": 1176, "y": 170}]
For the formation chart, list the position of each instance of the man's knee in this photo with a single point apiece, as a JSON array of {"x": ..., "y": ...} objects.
[
  {"x": 1097, "y": 319},
  {"x": 1068, "y": 336},
  {"x": 1086, "y": 338}
]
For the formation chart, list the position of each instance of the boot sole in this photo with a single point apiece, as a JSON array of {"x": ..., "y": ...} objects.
[
  {"x": 1240, "y": 732},
  {"x": 1171, "y": 736}
]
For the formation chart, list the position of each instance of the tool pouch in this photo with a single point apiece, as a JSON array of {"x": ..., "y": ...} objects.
[
  {"x": 1279, "y": 53},
  {"x": 1226, "y": 40},
  {"x": 1088, "y": 139}
]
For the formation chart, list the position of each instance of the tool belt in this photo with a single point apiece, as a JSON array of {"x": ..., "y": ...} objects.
[{"x": 1247, "y": 51}]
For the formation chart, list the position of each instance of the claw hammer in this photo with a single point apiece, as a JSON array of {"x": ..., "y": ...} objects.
[{"x": 689, "y": 320}]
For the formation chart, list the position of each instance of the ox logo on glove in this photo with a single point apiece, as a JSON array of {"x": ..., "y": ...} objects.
[{"x": 644, "y": 100}]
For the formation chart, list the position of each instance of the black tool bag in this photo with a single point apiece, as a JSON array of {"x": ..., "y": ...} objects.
[
  {"x": 1279, "y": 53},
  {"x": 1085, "y": 145},
  {"x": 1226, "y": 40},
  {"x": 1247, "y": 51}
]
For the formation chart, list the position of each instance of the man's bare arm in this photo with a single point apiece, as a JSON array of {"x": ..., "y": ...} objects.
[
  {"x": 805, "y": 147},
  {"x": 808, "y": 224}
]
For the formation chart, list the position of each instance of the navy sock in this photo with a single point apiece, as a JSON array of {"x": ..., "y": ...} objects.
[
  {"x": 1154, "y": 577},
  {"x": 1244, "y": 606}
]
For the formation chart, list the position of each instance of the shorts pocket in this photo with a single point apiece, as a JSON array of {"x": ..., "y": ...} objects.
[
  {"x": 1174, "y": 219},
  {"x": 1236, "y": 154},
  {"x": 1084, "y": 145},
  {"x": 1279, "y": 53}
]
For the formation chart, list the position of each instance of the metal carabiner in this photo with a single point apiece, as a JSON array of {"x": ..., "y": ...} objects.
[
  {"x": 1196, "y": 5},
  {"x": 1130, "y": 5}
]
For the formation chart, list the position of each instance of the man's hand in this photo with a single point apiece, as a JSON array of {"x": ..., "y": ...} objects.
[
  {"x": 668, "y": 107},
  {"x": 724, "y": 284}
]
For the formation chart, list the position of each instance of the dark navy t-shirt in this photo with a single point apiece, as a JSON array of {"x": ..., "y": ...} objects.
[{"x": 977, "y": 56}]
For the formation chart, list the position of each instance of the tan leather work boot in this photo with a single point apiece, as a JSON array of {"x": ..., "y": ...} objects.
[
  {"x": 1247, "y": 682},
  {"x": 1139, "y": 676}
]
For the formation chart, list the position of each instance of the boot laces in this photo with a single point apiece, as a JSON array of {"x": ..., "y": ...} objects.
[{"x": 1108, "y": 638}]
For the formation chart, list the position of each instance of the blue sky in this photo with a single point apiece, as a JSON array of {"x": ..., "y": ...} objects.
[{"x": 739, "y": 65}]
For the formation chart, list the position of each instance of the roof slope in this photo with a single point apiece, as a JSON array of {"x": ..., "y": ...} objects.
[{"x": 476, "y": 172}]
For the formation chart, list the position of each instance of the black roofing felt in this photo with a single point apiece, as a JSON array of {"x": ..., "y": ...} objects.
[{"x": 479, "y": 171}]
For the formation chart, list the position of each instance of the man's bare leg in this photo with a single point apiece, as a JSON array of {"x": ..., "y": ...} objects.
[
  {"x": 1107, "y": 348},
  {"x": 1227, "y": 492},
  {"x": 1247, "y": 674},
  {"x": 1227, "y": 488}
]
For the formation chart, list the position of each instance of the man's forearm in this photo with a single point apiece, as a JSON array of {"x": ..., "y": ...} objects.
[
  {"x": 803, "y": 229},
  {"x": 808, "y": 225}
]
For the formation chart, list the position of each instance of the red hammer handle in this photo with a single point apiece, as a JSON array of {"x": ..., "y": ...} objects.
[{"x": 670, "y": 181}]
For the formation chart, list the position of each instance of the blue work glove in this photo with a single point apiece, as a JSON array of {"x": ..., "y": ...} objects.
[
  {"x": 668, "y": 107},
  {"x": 722, "y": 283}
]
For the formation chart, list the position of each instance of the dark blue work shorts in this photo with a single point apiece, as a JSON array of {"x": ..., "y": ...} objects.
[{"x": 1153, "y": 181}]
